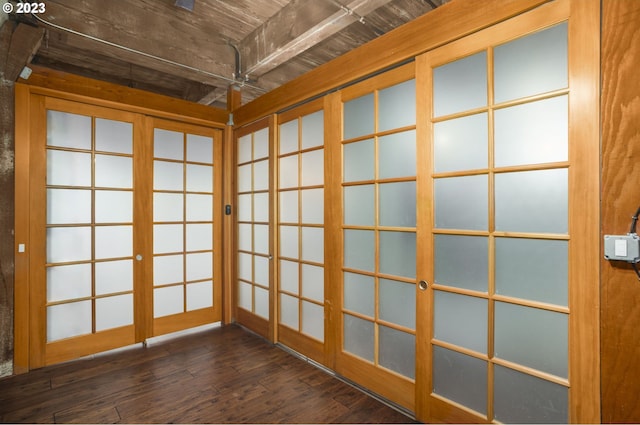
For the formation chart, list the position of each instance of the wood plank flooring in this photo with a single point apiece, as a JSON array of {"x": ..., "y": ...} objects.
[{"x": 221, "y": 375}]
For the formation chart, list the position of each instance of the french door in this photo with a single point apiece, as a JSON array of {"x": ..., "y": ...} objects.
[
  {"x": 377, "y": 315},
  {"x": 506, "y": 190},
  {"x": 452, "y": 210},
  {"x": 301, "y": 232},
  {"x": 254, "y": 239},
  {"x": 119, "y": 219}
]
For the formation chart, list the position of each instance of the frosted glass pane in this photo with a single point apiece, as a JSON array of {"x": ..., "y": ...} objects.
[
  {"x": 533, "y": 269},
  {"x": 462, "y": 261},
  {"x": 532, "y": 133},
  {"x": 289, "y": 241},
  {"x": 398, "y": 253},
  {"x": 167, "y": 238},
  {"x": 359, "y": 293},
  {"x": 359, "y": 161},
  {"x": 532, "y": 337},
  {"x": 245, "y": 149},
  {"x": 359, "y": 205},
  {"x": 313, "y": 320},
  {"x": 313, "y": 168},
  {"x": 533, "y": 64},
  {"x": 68, "y": 168},
  {"x": 313, "y": 244},
  {"x": 245, "y": 178},
  {"x": 460, "y": 378},
  {"x": 461, "y": 202},
  {"x": 199, "y": 178},
  {"x": 114, "y": 276},
  {"x": 397, "y": 351},
  {"x": 113, "y": 171},
  {"x": 168, "y": 176},
  {"x": 397, "y": 155},
  {"x": 261, "y": 302},
  {"x": 461, "y": 85},
  {"x": 261, "y": 238},
  {"x": 461, "y": 143},
  {"x": 168, "y": 269},
  {"x": 261, "y": 175},
  {"x": 199, "y": 149},
  {"x": 313, "y": 282},
  {"x": 313, "y": 206},
  {"x": 199, "y": 237},
  {"x": 289, "y": 276},
  {"x": 245, "y": 207},
  {"x": 358, "y": 117},
  {"x": 68, "y": 244},
  {"x": 68, "y": 130},
  {"x": 261, "y": 143},
  {"x": 114, "y": 136},
  {"x": 199, "y": 266},
  {"x": 289, "y": 137},
  {"x": 397, "y": 302},
  {"x": 359, "y": 249},
  {"x": 112, "y": 206},
  {"x": 261, "y": 207},
  {"x": 245, "y": 296},
  {"x": 199, "y": 207},
  {"x": 521, "y": 398},
  {"x": 199, "y": 295},
  {"x": 313, "y": 130},
  {"x": 113, "y": 241},
  {"x": 244, "y": 237},
  {"x": 168, "y": 144},
  {"x": 68, "y": 282},
  {"x": 66, "y": 206},
  {"x": 245, "y": 266},
  {"x": 289, "y": 206},
  {"x": 168, "y": 300},
  {"x": 114, "y": 312},
  {"x": 68, "y": 320},
  {"x": 168, "y": 207},
  {"x": 461, "y": 320},
  {"x": 398, "y": 204},
  {"x": 532, "y": 201},
  {"x": 289, "y": 311},
  {"x": 358, "y": 337},
  {"x": 289, "y": 171},
  {"x": 397, "y": 106},
  {"x": 261, "y": 270}
]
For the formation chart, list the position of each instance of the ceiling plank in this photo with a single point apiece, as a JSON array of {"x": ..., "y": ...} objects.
[
  {"x": 146, "y": 34},
  {"x": 297, "y": 27}
]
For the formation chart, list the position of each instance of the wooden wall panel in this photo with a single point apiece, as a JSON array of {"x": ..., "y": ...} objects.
[{"x": 620, "y": 291}]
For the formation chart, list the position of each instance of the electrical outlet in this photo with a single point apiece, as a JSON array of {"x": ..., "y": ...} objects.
[{"x": 622, "y": 247}]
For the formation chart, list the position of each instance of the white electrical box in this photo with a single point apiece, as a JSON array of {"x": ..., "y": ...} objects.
[{"x": 622, "y": 247}]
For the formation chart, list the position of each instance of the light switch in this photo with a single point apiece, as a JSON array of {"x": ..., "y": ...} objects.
[
  {"x": 21, "y": 247},
  {"x": 620, "y": 248}
]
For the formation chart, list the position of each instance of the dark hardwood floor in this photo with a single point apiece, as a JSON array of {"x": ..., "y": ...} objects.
[{"x": 221, "y": 375}]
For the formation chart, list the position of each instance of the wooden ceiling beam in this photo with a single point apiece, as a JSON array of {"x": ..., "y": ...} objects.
[
  {"x": 297, "y": 27},
  {"x": 18, "y": 45}
]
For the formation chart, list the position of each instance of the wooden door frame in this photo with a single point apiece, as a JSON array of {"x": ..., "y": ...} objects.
[{"x": 48, "y": 83}]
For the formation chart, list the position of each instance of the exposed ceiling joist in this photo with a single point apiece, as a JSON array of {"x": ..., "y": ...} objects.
[
  {"x": 297, "y": 27},
  {"x": 160, "y": 47}
]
